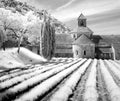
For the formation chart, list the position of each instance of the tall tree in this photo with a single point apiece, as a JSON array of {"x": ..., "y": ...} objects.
[{"x": 47, "y": 38}]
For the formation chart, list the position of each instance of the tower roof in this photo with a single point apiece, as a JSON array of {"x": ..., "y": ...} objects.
[{"x": 81, "y": 16}]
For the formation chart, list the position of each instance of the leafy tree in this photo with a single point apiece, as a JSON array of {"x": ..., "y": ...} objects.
[
  {"x": 29, "y": 22},
  {"x": 8, "y": 23},
  {"x": 14, "y": 22},
  {"x": 33, "y": 28}
]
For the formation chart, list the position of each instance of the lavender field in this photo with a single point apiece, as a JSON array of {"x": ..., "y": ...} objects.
[{"x": 62, "y": 79}]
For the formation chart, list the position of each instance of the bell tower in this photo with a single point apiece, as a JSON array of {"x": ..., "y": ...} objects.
[{"x": 82, "y": 21}]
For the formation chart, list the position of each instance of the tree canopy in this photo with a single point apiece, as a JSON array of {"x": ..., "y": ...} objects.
[{"x": 20, "y": 25}]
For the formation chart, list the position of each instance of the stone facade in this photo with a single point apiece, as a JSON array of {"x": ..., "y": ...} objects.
[
  {"x": 84, "y": 51},
  {"x": 83, "y": 47}
]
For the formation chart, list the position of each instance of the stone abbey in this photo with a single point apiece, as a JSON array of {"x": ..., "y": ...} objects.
[{"x": 81, "y": 43}]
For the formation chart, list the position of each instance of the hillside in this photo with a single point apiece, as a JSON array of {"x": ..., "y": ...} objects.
[{"x": 23, "y": 8}]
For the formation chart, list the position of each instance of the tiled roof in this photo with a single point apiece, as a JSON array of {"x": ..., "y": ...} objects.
[
  {"x": 105, "y": 50},
  {"x": 84, "y": 30},
  {"x": 83, "y": 39},
  {"x": 63, "y": 39}
]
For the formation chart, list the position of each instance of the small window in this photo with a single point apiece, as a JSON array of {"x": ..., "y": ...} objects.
[
  {"x": 74, "y": 36},
  {"x": 76, "y": 52},
  {"x": 84, "y": 52},
  {"x": 38, "y": 51}
]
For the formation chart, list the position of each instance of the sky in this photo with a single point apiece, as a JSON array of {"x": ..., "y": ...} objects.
[{"x": 103, "y": 16}]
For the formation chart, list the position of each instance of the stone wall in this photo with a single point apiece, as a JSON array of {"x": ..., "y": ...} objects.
[
  {"x": 63, "y": 50},
  {"x": 84, "y": 51}
]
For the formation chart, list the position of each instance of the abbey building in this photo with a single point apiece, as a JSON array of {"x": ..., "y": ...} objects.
[{"x": 81, "y": 43}]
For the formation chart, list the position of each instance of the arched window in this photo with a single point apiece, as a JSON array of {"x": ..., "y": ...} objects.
[
  {"x": 76, "y": 52},
  {"x": 84, "y": 52}
]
